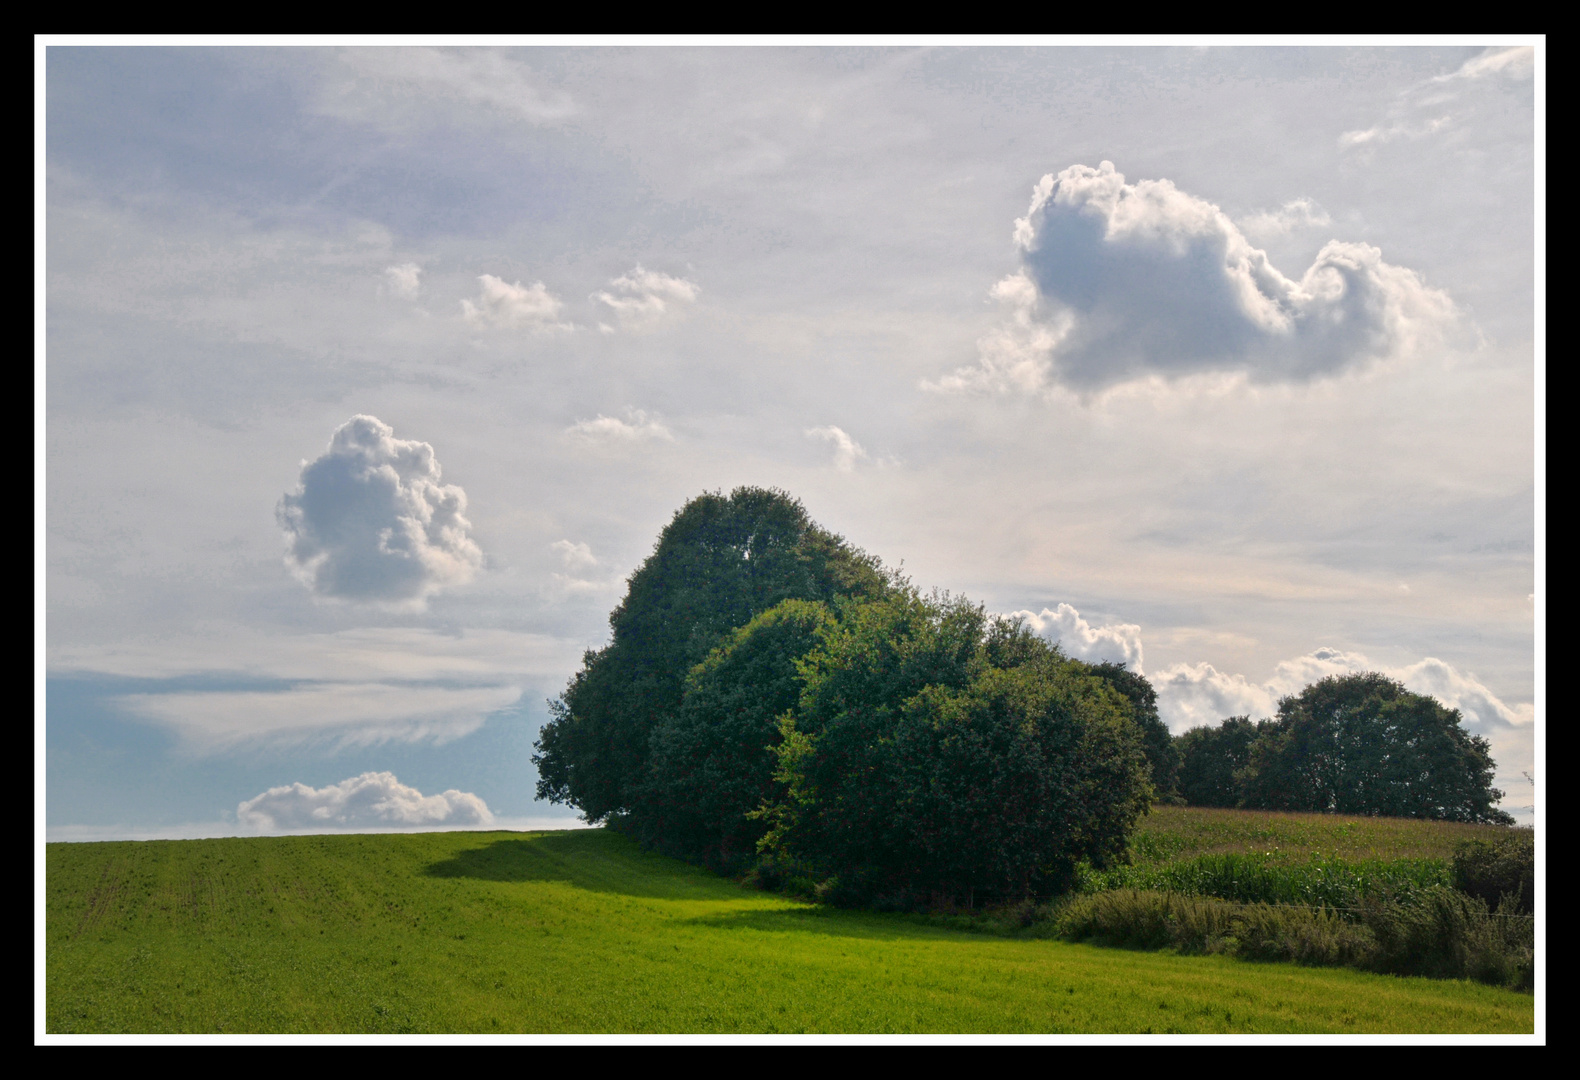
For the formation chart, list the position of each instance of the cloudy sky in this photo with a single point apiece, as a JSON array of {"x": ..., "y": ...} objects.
[{"x": 371, "y": 373}]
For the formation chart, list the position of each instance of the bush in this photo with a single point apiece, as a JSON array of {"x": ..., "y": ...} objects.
[
  {"x": 1444, "y": 933},
  {"x": 1501, "y": 871}
]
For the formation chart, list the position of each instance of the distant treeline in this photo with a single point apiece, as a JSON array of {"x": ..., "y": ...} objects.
[
  {"x": 771, "y": 695},
  {"x": 1351, "y": 744}
]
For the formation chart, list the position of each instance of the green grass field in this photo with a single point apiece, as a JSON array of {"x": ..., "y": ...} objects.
[{"x": 583, "y": 932}]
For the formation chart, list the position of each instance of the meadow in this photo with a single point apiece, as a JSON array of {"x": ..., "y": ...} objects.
[{"x": 584, "y": 932}]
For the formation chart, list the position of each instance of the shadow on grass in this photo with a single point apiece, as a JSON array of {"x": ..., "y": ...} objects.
[
  {"x": 834, "y": 922},
  {"x": 593, "y": 859}
]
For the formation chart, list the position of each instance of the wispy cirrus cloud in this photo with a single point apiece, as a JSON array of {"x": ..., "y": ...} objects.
[
  {"x": 334, "y": 715},
  {"x": 1433, "y": 105},
  {"x": 420, "y": 86}
]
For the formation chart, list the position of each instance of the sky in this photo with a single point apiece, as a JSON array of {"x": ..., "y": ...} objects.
[{"x": 370, "y": 373}]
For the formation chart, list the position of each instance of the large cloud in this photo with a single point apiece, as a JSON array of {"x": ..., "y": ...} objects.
[
  {"x": 1122, "y": 281},
  {"x": 1119, "y": 643},
  {"x": 372, "y": 800},
  {"x": 371, "y": 521}
]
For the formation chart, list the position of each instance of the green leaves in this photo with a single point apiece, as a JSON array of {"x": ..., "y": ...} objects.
[{"x": 1351, "y": 744}]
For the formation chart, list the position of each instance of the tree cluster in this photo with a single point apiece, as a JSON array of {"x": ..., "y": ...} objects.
[
  {"x": 1349, "y": 744},
  {"x": 768, "y": 688}
]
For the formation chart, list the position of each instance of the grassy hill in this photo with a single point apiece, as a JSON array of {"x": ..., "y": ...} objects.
[{"x": 583, "y": 932}]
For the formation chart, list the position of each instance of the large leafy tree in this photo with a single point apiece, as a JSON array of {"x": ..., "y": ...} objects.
[
  {"x": 937, "y": 751},
  {"x": 1363, "y": 744},
  {"x": 719, "y": 562}
]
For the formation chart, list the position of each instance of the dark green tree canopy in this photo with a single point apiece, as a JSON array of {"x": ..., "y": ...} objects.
[
  {"x": 937, "y": 751},
  {"x": 1159, "y": 744},
  {"x": 719, "y": 562},
  {"x": 1363, "y": 744},
  {"x": 1212, "y": 760},
  {"x": 712, "y": 761}
]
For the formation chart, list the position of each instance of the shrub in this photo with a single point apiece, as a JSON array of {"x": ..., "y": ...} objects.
[
  {"x": 1501, "y": 871},
  {"x": 1437, "y": 932}
]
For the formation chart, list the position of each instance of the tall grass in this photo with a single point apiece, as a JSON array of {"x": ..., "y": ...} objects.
[{"x": 1437, "y": 932}]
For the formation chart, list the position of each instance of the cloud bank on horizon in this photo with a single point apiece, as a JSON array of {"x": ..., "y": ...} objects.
[
  {"x": 1191, "y": 695},
  {"x": 372, "y": 522},
  {"x": 1121, "y": 281},
  {"x": 372, "y": 800}
]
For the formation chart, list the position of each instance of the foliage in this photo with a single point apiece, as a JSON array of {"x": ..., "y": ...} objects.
[
  {"x": 1353, "y": 744},
  {"x": 584, "y": 931},
  {"x": 1162, "y": 755},
  {"x": 716, "y": 565},
  {"x": 712, "y": 759},
  {"x": 937, "y": 752},
  {"x": 1499, "y": 870},
  {"x": 1210, "y": 759}
]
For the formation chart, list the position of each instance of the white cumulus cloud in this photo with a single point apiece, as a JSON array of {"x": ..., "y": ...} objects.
[
  {"x": 638, "y": 426},
  {"x": 372, "y": 521},
  {"x": 1122, "y": 281},
  {"x": 404, "y": 280},
  {"x": 515, "y": 306},
  {"x": 847, "y": 451},
  {"x": 372, "y": 800},
  {"x": 1118, "y": 643},
  {"x": 642, "y": 297},
  {"x": 1190, "y": 695}
]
